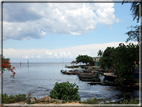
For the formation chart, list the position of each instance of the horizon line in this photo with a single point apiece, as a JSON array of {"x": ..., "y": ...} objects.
[{"x": 41, "y": 62}]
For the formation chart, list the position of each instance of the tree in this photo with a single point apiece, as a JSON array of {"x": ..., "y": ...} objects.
[
  {"x": 100, "y": 53},
  {"x": 134, "y": 32},
  {"x": 121, "y": 59},
  {"x": 125, "y": 55},
  {"x": 107, "y": 59},
  {"x": 7, "y": 66},
  {"x": 84, "y": 59},
  {"x": 65, "y": 91}
]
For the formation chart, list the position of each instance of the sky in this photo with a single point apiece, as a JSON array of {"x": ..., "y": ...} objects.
[{"x": 56, "y": 32}]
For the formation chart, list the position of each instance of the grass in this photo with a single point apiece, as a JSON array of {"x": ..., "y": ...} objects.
[
  {"x": 52, "y": 101},
  {"x": 22, "y": 97},
  {"x": 125, "y": 101},
  {"x": 34, "y": 102},
  {"x": 91, "y": 101},
  {"x": 13, "y": 98}
]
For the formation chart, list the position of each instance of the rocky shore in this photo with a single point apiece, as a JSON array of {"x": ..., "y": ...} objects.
[{"x": 46, "y": 100}]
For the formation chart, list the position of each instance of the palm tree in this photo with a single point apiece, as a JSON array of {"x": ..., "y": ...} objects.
[{"x": 100, "y": 53}]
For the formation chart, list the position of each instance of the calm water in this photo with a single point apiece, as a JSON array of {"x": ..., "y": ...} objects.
[{"x": 39, "y": 79}]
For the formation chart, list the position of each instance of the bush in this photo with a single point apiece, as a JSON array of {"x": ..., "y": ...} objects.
[
  {"x": 65, "y": 91},
  {"x": 52, "y": 101},
  {"x": 20, "y": 97},
  {"x": 13, "y": 98},
  {"x": 91, "y": 101},
  {"x": 131, "y": 101},
  {"x": 125, "y": 101}
]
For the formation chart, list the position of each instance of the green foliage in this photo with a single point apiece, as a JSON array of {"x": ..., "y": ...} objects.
[
  {"x": 121, "y": 59},
  {"x": 131, "y": 101},
  {"x": 91, "y": 101},
  {"x": 4, "y": 59},
  {"x": 125, "y": 101},
  {"x": 84, "y": 59},
  {"x": 20, "y": 97},
  {"x": 123, "y": 62},
  {"x": 134, "y": 32},
  {"x": 52, "y": 101},
  {"x": 106, "y": 60},
  {"x": 64, "y": 101},
  {"x": 13, "y": 98},
  {"x": 33, "y": 102},
  {"x": 100, "y": 53},
  {"x": 65, "y": 91}
]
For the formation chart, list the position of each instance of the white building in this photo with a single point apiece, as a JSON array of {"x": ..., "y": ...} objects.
[{"x": 96, "y": 60}]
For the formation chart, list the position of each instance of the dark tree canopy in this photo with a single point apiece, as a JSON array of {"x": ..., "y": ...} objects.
[
  {"x": 100, "y": 53},
  {"x": 121, "y": 59},
  {"x": 84, "y": 59},
  {"x": 107, "y": 58},
  {"x": 133, "y": 34}
]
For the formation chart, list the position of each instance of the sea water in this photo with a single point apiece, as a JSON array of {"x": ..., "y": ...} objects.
[{"x": 40, "y": 78}]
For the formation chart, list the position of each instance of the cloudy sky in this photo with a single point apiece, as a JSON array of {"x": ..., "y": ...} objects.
[{"x": 51, "y": 32}]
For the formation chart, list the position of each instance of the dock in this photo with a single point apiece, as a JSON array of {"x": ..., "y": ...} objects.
[{"x": 109, "y": 74}]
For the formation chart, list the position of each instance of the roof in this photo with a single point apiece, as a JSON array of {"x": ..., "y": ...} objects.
[
  {"x": 96, "y": 58},
  {"x": 73, "y": 62}
]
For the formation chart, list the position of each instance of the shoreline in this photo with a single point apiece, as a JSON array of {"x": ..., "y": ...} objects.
[{"x": 50, "y": 101}]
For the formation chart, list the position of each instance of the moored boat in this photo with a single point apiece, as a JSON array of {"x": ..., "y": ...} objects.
[
  {"x": 86, "y": 76},
  {"x": 97, "y": 79},
  {"x": 69, "y": 73}
]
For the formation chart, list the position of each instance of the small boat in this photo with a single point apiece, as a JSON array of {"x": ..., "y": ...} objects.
[
  {"x": 90, "y": 76},
  {"x": 62, "y": 71},
  {"x": 69, "y": 73},
  {"x": 93, "y": 79},
  {"x": 86, "y": 74},
  {"x": 86, "y": 77}
]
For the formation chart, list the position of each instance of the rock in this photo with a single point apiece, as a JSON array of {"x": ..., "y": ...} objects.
[
  {"x": 47, "y": 98},
  {"x": 42, "y": 99},
  {"x": 32, "y": 100}
]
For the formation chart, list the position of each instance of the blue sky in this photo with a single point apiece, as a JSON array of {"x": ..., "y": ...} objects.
[{"x": 51, "y": 32}]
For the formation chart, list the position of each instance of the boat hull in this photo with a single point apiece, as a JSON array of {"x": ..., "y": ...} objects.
[
  {"x": 93, "y": 79},
  {"x": 69, "y": 73},
  {"x": 86, "y": 76}
]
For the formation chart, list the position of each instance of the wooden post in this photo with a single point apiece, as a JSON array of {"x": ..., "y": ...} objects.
[{"x": 28, "y": 62}]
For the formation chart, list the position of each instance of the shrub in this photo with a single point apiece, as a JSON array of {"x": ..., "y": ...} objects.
[
  {"x": 20, "y": 97},
  {"x": 91, "y": 101},
  {"x": 64, "y": 101},
  {"x": 131, "y": 101},
  {"x": 13, "y": 98},
  {"x": 65, "y": 91},
  {"x": 52, "y": 101}
]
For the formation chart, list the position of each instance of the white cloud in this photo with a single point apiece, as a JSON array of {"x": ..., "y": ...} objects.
[
  {"x": 70, "y": 52},
  {"x": 43, "y": 33},
  {"x": 34, "y": 20}
]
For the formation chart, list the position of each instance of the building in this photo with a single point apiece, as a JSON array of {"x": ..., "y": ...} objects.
[{"x": 96, "y": 60}]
